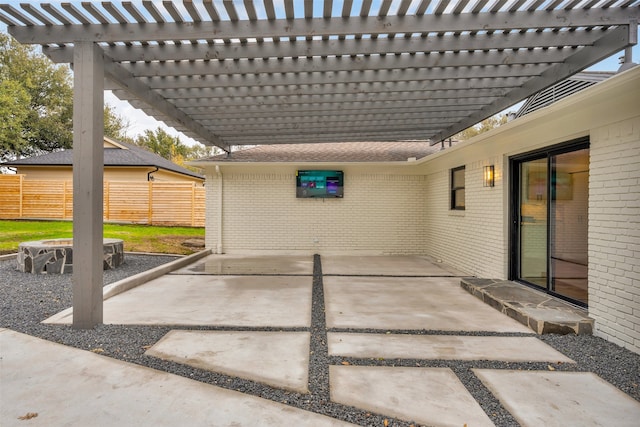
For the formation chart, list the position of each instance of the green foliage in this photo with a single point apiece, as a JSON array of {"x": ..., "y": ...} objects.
[
  {"x": 482, "y": 127},
  {"x": 171, "y": 148},
  {"x": 40, "y": 119},
  {"x": 14, "y": 101},
  {"x": 115, "y": 126},
  {"x": 163, "y": 144}
]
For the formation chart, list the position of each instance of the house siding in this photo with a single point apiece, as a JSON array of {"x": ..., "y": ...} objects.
[{"x": 120, "y": 173}]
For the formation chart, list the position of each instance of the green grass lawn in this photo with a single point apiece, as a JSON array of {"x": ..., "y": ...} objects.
[{"x": 137, "y": 238}]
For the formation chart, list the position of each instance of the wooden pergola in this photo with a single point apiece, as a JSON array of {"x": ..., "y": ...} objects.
[{"x": 230, "y": 73}]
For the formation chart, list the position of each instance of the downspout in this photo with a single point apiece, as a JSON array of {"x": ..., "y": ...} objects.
[
  {"x": 149, "y": 177},
  {"x": 219, "y": 245}
]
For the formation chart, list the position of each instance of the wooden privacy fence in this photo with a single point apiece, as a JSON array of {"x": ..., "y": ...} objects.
[{"x": 153, "y": 203}]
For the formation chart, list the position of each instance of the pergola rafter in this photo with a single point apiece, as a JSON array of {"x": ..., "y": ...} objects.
[{"x": 223, "y": 56}]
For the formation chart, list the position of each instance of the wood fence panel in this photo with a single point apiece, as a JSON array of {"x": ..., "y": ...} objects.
[
  {"x": 127, "y": 201},
  {"x": 199, "y": 209},
  {"x": 172, "y": 202},
  {"x": 43, "y": 199},
  {"x": 166, "y": 203},
  {"x": 10, "y": 196}
]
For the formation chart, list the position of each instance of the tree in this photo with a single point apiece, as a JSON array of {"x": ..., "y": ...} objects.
[
  {"x": 115, "y": 126},
  {"x": 482, "y": 127},
  {"x": 36, "y": 105},
  {"x": 163, "y": 144},
  {"x": 171, "y": 148}
]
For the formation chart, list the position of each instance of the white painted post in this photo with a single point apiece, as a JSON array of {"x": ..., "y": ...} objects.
[{"x": 88, "y": 171}]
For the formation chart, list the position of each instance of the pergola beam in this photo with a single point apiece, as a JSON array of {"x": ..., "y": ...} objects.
[
  {"x": 624, "y": 35},
  {"x": 469, "y": 86},
  {"x": 504, "y": 73},
  {"x": 298, "y": 49},
  {"x": 304, "y": 27},
  {"x": 483, "y": 94},
  {"x": 347, "y": 63}
]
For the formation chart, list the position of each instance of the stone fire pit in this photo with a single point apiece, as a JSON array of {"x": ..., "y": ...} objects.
[{"x": 55, "y": 256}]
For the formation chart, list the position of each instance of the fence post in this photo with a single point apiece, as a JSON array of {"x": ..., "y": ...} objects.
[
  {"x": 106, "y": 200},
  {"x": 64, "y": 199},
  {"x": 21, "y": 194},
  {"x": 150, "y": 220},
  {"x": 193, "y": 204}
]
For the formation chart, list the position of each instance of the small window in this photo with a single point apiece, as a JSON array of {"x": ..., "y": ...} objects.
[{"x": 457, "y": 188}]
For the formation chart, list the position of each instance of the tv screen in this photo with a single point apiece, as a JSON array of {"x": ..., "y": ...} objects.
[{"x": 319, "y": 184}]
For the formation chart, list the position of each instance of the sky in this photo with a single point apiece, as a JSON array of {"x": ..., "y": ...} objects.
[{"x": 139, "y": 121}]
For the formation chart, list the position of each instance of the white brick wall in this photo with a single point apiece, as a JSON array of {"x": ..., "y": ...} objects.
[
  {"x": 378, "y": 214},
  {"x": 471, "y": 240},
  {"x": 614, "y": 232}
]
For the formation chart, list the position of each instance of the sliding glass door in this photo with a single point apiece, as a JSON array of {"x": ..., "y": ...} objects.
[
  {"x": 549, "y": 242},
  {"x": 533, "y": 221}
]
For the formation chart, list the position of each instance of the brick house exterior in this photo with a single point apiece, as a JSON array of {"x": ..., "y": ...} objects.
[{"x": 397, "y": 200}]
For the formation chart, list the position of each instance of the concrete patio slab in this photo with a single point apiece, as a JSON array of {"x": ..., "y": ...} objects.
[
  {"x": 443, "y": 347},
  {"x": 409, "y": 303},
  {"x": 279, "y": 359},
  {"x": 430, "y": 396},
  {"x": 258, "y": 301},
  {"x": 391, "y": 265},
  {"x": 61, "y": 385},
  {"x": 251, "y": 265},
  {"x": 541, "y": 398}
]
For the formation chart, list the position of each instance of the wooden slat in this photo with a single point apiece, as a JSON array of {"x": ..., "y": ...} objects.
[
  {"x": 10, "y": 192},
  {"x": 172, "y": 203}
]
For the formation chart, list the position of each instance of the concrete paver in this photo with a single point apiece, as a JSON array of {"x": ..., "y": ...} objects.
[
  {"x": 238, "y": 264},
  {"x": 68, "y": 386},
  {"x": 409, "y": 303},
  {"x": 279, "y": 359},
  {"x": 431, "y": 396},
  {"x": 388, "y": 265},
  {"x": 541, "y": 398},
  {"x": 271, "y": 301},
  {"x": 443, "y": 347}
]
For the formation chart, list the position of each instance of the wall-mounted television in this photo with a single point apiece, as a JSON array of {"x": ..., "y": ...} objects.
[{"x": 319, "y": 184}]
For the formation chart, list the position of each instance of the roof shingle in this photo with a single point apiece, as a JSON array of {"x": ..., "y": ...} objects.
[
  {"x": 329, "y": 152},
  {"x": 131, "y": 156}
]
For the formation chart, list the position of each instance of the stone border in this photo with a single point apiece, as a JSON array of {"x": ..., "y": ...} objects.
[
  {"x": 55, "y": 256},
  {"x": 541, "y": 312}
]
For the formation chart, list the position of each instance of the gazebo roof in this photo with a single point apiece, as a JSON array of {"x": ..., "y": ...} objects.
[{"x": 244, "y": 73}]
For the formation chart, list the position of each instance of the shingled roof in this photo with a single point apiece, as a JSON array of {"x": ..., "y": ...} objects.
[
  {"x": 351, "y": 152},
  {"x": 130, "y": 155}
]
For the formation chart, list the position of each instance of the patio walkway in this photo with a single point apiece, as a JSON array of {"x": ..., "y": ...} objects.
[{"x": 395, "y": 337}]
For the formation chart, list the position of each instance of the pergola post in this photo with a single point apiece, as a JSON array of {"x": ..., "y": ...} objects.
[{"x": 88, "y": 171}]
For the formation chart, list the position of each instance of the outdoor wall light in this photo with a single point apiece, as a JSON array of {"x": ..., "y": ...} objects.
[{"x": 489, "y": 176}]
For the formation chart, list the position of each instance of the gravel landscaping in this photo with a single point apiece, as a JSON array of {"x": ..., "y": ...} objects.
[{"x": 27, "y": 299}]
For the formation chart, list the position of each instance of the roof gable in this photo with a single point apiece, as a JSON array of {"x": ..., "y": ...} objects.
[{"x": 121, "y": 154}]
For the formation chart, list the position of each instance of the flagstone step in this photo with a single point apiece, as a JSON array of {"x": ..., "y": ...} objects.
[{"x": 539, "y": 311}]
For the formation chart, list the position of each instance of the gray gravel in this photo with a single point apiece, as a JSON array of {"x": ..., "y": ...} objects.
[{"x": 28, "y": 299}]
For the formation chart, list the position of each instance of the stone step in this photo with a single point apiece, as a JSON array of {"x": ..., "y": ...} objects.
[{"x": 543, "y": 313}]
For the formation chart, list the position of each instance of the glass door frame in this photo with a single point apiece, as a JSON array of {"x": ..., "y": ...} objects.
[{"x": 514, "y": 210}]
